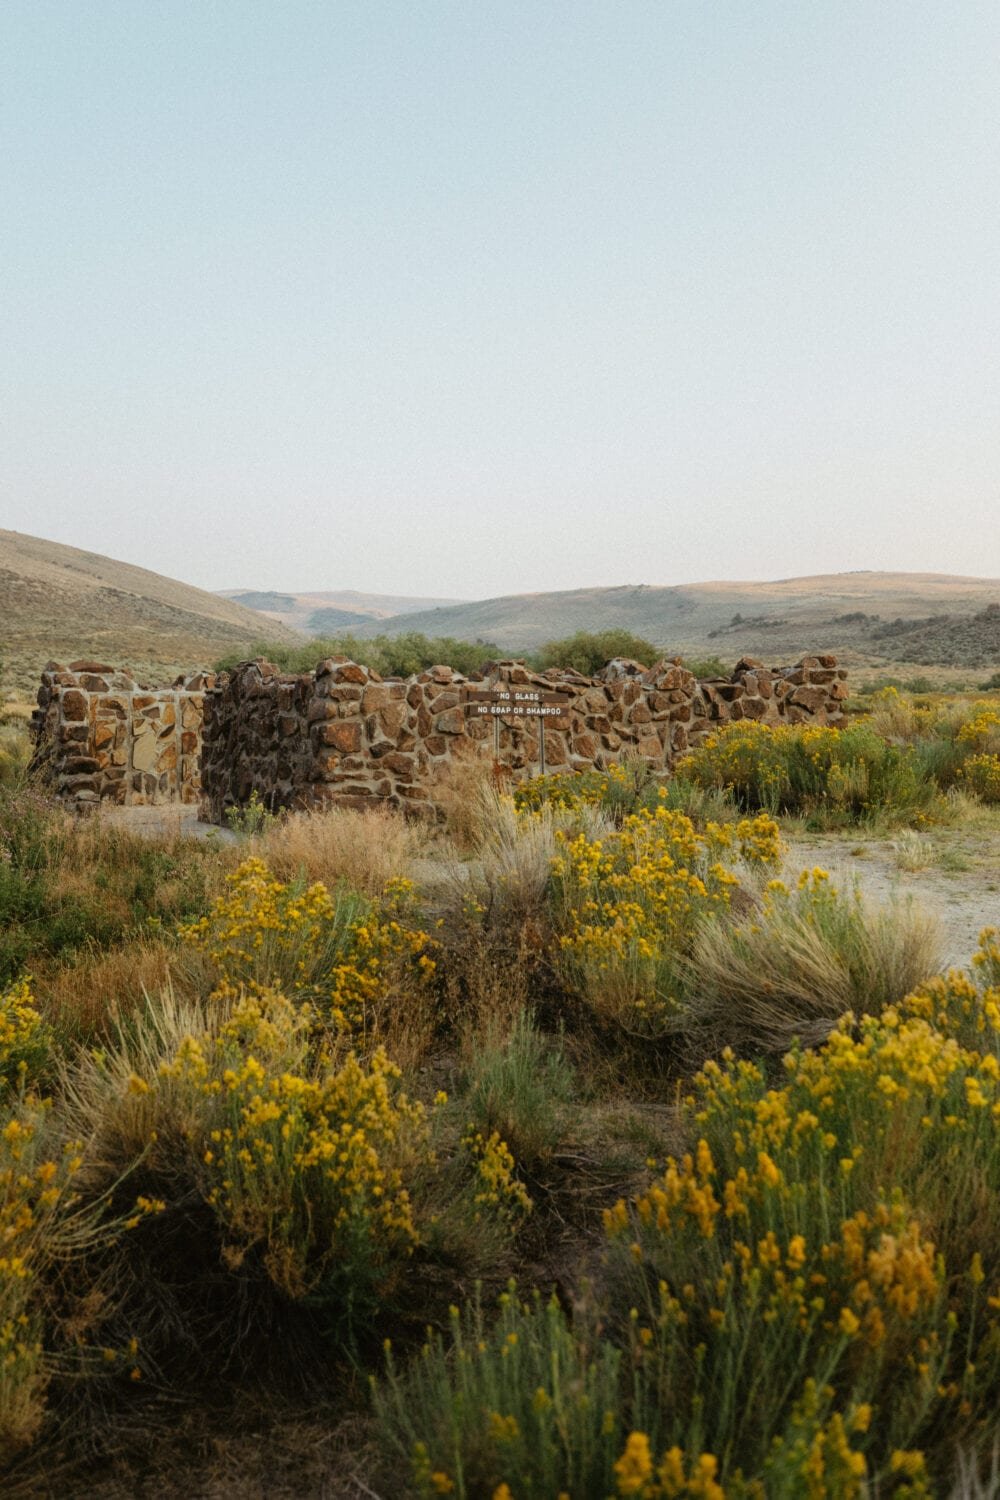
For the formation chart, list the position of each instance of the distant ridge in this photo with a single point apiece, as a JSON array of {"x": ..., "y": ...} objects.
[
  {"x": 62, "y": 602},
  {"x": 329, "y": 613},
  {"x": 839, "y": 611}
]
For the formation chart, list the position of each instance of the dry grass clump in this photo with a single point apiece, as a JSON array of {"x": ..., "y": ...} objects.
[
  {"x": 15, "y": 753},
  {"x": 367, "y": 849},
  {"x": 517, "y": 848},
  {"x": 803, "y": 959},
  {"x": 99, "y": 988},
  {"x": 460, "y": 789},
  {"x": 912, "y": 850}
]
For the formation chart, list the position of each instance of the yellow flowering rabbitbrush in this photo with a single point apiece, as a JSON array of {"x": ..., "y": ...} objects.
[
  {"x": 25, "y": 1040},
  {"x": 304, "y": 1163},
  {"x": 36, "y": 1189},
  {"x": 498, "y": 1191},
  {"x": 802, "y": 767},
  {"x": 335, "y": 949},
  {"x": 839, "y": 1226},
  {"x": 627, "y": 907}
]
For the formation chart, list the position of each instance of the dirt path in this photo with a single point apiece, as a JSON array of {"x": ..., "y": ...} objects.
[
  {"x": 172, "y": 821},
  {"x": 959, "y": 883}
]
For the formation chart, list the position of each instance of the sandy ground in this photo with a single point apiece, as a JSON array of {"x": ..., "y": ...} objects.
[{"x": 960, "y": 882}]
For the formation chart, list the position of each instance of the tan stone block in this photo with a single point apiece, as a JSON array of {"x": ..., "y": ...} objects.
[
  {"x": 452, "y": 721},
  {"x": 375, "y": 696},
  {"x": 143, "y": 749},
  {"x": 391, "y": 719}
]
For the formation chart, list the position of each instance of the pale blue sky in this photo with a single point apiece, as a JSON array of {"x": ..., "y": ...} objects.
[{"x": 475, "y": 298}]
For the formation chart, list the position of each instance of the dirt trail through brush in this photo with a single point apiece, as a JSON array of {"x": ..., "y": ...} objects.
[{"x": 959, "y": 883}]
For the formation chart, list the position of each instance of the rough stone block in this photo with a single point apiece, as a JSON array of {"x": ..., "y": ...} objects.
[
  {"x": 74, "y": 705},
  {"x": 452, "y": 721}
]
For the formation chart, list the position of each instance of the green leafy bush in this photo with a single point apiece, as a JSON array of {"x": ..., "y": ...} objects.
[
  {"x": 389, "y": 655},
  {"x": 588, "y": 651}
]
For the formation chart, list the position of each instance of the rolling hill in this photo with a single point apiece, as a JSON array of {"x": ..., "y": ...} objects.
[
  {"x": 844, "y": 612},
  {"x": 63, "y": 603}
]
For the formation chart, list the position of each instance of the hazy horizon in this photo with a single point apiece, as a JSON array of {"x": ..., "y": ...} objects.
[{"x": 450, "y": 301}]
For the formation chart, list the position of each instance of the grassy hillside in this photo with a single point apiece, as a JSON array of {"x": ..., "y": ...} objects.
[
  {"x": 844, "y": 612},
  {"x": 60, "y": 602}
]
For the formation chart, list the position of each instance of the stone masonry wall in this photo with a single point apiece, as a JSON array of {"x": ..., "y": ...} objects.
[
  {"x": 101, "y": 736},
  {"x": 343, "y": 734}
]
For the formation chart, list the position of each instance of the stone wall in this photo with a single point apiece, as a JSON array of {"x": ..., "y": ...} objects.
[
  {"x": 101, "y": 736},
  {"x": 342, "y": 733}
]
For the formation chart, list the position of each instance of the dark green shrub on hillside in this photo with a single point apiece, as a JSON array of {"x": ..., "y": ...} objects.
[
  {"x": 707, "y": 667},
  {"x": 389, "y": 655},
  {"x": 588, "y": 651}
]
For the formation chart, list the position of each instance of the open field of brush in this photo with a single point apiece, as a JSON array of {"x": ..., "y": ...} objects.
[{"x": 614, "y": 1136}]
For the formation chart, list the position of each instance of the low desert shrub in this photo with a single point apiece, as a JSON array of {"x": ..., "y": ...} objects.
[
  {"x": 37, "y": 1233},
  {"x": 528, "y": 1407},
  {"x": 25, "y": 1040},
  {"x": 618, "y": 791},
  {"x": 302, "y": 1162},
  {"x": 516, "y": 847},
  {"x": 335, "y": 949},
  {"x": 954, "y": 743},
  {"x": 520, "y": 1086},
  {"x": 980, "y": 775},
  {"x": 250, "y": 819},
  {"x": 305, "y": 1168},
  {"x": 390, "y": 655},
  {"x": 623, "y": 789},
  {"x": 803, "y": 957},
  {"x": 627, "y": 909},
  {"x": 368, "y": 850},
  {"x": 849, "y": 1216},
  {"x": 846, "y": 774},
  {"x": 67, "y": 885},
  {"x": 588, "y": 651}
]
